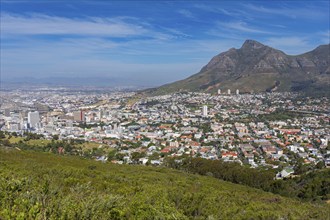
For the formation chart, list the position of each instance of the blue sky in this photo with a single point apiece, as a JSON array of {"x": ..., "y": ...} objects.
[{"x": 147, "y": 42}]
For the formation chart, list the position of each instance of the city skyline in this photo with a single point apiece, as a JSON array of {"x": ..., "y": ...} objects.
[{"x": 149, "y": 43}]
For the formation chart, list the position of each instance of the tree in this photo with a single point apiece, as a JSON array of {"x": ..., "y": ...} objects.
[
  {"x": 154, "y": 156},
  {"x": 120, "y": 156},
  {"x": 320, "y": 165},
  {"x": 2, "y": 135},
  {"x": 55, "y": 137},
  {"x": 282, "y": 158},
  {"x": 112, "y": 155},
  {"x": 136, "y": 156},
  {"x": 5, "y": 142},
  {"x": 300, "y": 168},
  {"x": 14, "y": 134}
]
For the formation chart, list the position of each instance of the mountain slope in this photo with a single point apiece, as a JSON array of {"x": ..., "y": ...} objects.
[
  {"x": 45, "y": 186},
  {"x": 257, "y": 68}
]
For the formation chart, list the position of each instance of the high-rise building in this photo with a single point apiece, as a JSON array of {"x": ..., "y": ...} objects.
[
  {"x": 33, "y": 119},
  {"x": 237, "y": 92},
  {"x": 204, "y": 112},
  {"x": 78, "y": 116},
  {"x": 228, "y": 92},
  {"x": 219, "y": 91},
  {"x": 100, "y": 114},
  {"x": 7, "y": 112}
]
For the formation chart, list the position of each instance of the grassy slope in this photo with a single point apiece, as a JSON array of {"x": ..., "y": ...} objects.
[
  {"x": 45, "y": 186},
  {"x": 43, "y": 142},
  {"x": 39, "y": 142}
]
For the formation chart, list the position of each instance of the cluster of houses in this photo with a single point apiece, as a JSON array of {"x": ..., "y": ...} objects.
[{"x": 247, "y": 129}]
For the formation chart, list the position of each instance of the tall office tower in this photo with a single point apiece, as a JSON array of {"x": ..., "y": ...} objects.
[
  {"x": 78, "y": 116},
  {"x": 7, "y": 112},
  {"x": 237, "y": 92},
  {"x": 100, "y": 114},
  {"x": 33, "y": 119},
  {"x": 219, "y": 91},
  {"x": 204, "y": 112},
  {"x": 229, "y": 92}
]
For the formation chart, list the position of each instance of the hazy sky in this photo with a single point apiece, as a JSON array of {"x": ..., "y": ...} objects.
[{"x": 149, "y": 42}]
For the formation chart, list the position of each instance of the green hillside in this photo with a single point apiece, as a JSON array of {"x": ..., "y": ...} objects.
[{"x": 36, "y": 185}]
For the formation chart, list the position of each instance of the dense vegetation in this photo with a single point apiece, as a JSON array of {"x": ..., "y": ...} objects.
[
  {"x": 36, "y": 142},
  {"x": 280, "y": 115},
  {"x": 88, "y": 126},
  {"x": 38, "y": 185},
  {"x": 313, "y": 186}
]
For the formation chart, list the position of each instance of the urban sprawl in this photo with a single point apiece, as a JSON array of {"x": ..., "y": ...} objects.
[{"x": 258, "y": 130}]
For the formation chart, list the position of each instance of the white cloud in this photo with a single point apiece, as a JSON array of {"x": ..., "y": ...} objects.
[
  {"x": 287, "y": 41},
  {"x": 292, "y": 45},
  {"x": 218, "y": 10},
  {"x": 307, "y": 12},
  {"x": 186, "y": 13},
  {"x": 236, "y": 27},
  {"x": 324, "y": 36},
  {"x": 40, "y": 24}
]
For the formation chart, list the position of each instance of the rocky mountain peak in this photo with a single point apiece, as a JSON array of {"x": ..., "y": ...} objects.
[
  {"x": 259, "y": 68},
  {"x": 252, "y": 44}
]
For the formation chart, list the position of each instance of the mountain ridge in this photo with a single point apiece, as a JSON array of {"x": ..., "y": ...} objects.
[{"x": 273, "y": 69}]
